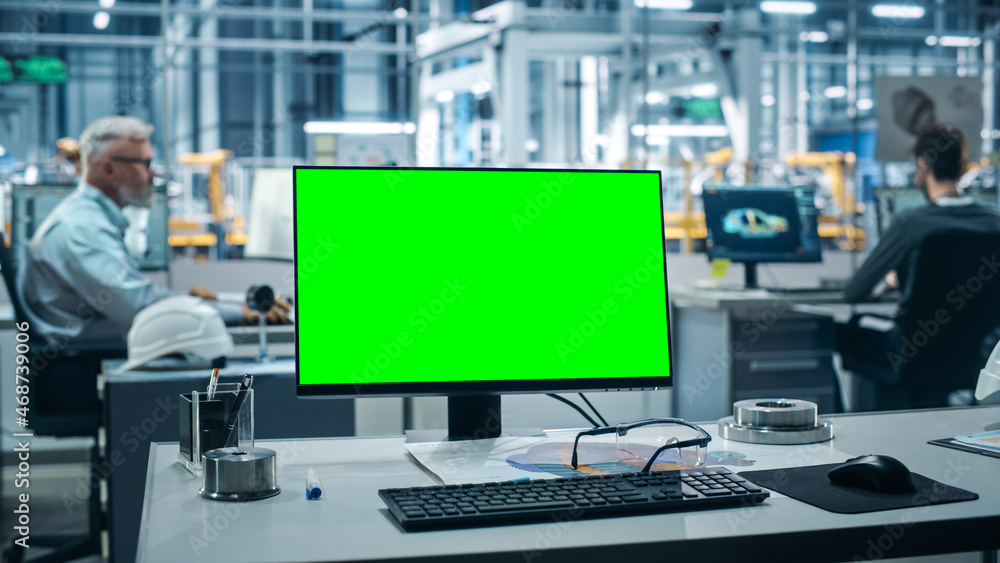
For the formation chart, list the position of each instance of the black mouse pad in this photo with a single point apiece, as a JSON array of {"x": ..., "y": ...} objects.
[{"x": 811, "y": 485}]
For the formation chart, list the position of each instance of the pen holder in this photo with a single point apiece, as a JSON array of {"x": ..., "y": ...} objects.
[{"x": 204, "y": 424}]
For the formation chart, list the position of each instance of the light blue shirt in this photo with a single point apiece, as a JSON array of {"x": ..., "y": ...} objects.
[{"x": 78, "y": 280}]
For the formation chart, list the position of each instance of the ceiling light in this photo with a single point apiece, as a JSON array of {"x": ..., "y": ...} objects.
[
  {"x": 897, "y": 11},
  {"x": 814, "y": 36},
  {"x": 931, "y": 40},
  {"x": 865, "y": 104},
  {"x": 444, "y": 96},
  {"x": 958, "y": 41},
  {"x": 655, "y": 98},
  {"x": 681, "y": 130},
  {"x": 481, "y": 88},
  {"x": 835, "y": 92},
  {"x": 704, "y": 90},
  {"x": 101, "y": 20},
  {"x": 400, "y": 13},
  {"x": 359, "y": 127},
  {"x": 776, "y": 7},
  {"x": 532, "y": 145},
  {"x": 106, "y": 4},
  {"x": 664, "y": 4},
  {"x": 767, "y": 100}
]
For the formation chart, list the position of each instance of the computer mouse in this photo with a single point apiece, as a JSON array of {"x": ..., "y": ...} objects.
[{"x": 876, "y": 473}]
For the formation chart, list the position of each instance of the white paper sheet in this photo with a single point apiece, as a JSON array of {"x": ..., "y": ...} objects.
[
  {"x": 986, "y": 440},
  {"x": 473, "y": 461}
]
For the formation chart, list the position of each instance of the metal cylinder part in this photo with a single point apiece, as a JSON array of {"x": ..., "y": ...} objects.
[
  {"x": 235, "y": 475},
  {"x": 775, "y": 413},
  {"x": 775, "y": 421}
]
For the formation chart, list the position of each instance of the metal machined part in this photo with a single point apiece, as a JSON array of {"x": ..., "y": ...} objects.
[{"x": 775, "y": 421}]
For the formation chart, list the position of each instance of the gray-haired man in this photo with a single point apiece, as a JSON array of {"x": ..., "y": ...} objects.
[{"x": 78, "y": 280}]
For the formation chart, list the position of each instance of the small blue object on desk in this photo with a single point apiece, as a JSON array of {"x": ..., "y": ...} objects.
[{"x": 313, "y": 490}]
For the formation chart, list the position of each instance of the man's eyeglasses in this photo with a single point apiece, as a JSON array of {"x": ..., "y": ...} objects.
[
  {"x": 656, "y": 440},
  {"x": 146, "y": 162}
]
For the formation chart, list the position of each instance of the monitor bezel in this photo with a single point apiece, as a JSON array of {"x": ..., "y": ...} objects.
[
  {"x": 480, "y": 387},
  {"x": 742, "y": 256}
]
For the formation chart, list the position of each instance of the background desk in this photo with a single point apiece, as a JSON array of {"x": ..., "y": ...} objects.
[
  {"x": 351, "y": 522},
  {"x": 733, "y": 345},
  {"x": 140, "y": 407}
]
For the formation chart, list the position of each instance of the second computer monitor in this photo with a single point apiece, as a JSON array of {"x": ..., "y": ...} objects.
[{"x": 753, "y": 224}]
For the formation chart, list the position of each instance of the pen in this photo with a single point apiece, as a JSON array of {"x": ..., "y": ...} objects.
[
  {"x": 241, "y": 397},
  {"x": 313, "y": 487},
  {"x": 213, "y": 384}
]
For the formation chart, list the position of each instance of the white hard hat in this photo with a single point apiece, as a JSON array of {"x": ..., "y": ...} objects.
[{"x": 179, "y": 324}]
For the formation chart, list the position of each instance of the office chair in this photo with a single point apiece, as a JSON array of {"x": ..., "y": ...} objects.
[
  {"x": 938, "y": 342},
  {"x": 63, "y": 402}
]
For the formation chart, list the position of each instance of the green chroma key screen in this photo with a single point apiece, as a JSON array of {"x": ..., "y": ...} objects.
[{"x": 528, "y": 279}]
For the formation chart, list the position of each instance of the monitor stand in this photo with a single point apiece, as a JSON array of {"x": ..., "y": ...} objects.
[
  {"x": 750, "y": 275},
  {"x": 471, "y": 417}
]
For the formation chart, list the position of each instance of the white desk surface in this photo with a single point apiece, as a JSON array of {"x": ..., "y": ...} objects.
[
  {"x": 723, "y": 298},
  {"x": 351, "y": 522},
  {"x": 749, "y": 298}
]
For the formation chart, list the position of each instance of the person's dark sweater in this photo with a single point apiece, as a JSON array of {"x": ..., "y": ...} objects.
[{"x": 898, "y": 247}]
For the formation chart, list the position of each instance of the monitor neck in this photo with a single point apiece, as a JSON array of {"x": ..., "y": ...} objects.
[
  {"x": 473, "y": 417},
  {"x": 750, "y": 275}
]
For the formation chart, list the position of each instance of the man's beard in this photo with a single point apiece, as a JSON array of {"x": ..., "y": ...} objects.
[{"x": 130, "y": 198}]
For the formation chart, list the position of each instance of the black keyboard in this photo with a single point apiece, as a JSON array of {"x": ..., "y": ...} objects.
[{"x": 511, "y": 502}]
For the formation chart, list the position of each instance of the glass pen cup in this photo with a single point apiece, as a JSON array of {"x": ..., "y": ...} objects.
[{"x": 208, "y": 424}]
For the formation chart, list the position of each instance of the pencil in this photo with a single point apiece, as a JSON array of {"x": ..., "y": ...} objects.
[{"x": 213, "y": 384}]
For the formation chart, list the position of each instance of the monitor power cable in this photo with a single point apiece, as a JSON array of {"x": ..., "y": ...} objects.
[
  {"x": 580, "y": 410},
  {"x": 598, "y": 414}
]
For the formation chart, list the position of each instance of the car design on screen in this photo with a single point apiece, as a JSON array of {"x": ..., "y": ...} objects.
[{"x": 749, "y": 222}]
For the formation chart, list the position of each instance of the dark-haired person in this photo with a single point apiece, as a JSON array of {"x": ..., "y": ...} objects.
[{"x": 940, "y": 157}]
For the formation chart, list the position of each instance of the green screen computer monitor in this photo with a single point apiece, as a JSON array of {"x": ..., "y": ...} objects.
[{"x": 472, "y": 283}]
